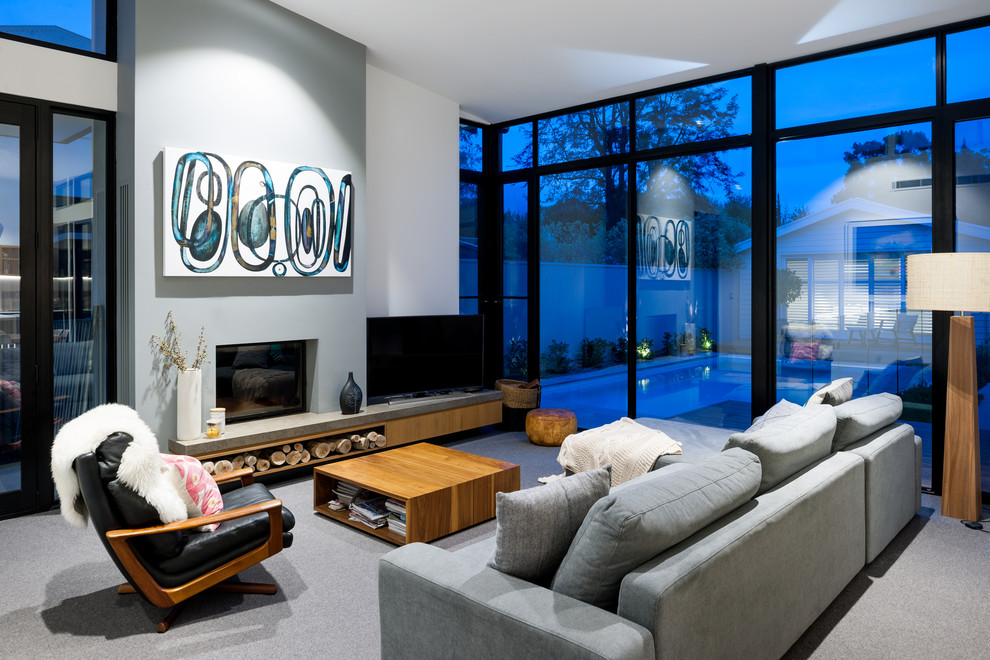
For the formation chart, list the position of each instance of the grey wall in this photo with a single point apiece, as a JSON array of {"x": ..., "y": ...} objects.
[{"x": 243, "y": 77}]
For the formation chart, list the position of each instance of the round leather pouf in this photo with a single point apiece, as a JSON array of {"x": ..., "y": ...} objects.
[{"x": 549, "y": 426}]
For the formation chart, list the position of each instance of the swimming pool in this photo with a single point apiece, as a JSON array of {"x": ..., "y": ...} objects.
[
  {"x": 712, "y": 389},
  {"x": 666, "y": 388}
]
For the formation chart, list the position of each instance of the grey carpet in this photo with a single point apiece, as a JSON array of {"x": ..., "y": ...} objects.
[{"x": 924, "y": 597}]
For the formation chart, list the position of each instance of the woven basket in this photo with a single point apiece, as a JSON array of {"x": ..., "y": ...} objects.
[{"x": 514, "y": 397}]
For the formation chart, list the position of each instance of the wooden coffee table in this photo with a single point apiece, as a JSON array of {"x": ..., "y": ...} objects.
[{"x": 444, "y": 490}]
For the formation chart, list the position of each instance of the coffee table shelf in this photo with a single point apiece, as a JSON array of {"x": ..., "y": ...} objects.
[{"x": 444, "y": 490}]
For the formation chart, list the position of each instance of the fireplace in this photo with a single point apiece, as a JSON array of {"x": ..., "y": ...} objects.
[{"x": 261, "y": 379}]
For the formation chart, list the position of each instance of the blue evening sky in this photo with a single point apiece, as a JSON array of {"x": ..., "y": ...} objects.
[
  {"x": 967, "y": 54},
  {"x": 976, "y": 134},
  {"x": 73, "y": 15},
  {"x": 810, "y": 171}
]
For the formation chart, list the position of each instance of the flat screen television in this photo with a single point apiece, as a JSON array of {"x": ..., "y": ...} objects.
[
  {"x": 261, "y": 379},
  {"x": 424, "y": 355}
]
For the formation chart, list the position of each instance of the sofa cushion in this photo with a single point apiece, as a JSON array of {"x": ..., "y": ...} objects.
[
  {"x": 804, "y": 351},
  {"x": 789, "y": 444},
  {"x": 860, "y": 417},
  {"x": 779, "y": 410},
  {"x": 837, "y": 392},
  {"x": 534, "y": 527},
  {"x": 197, "y": 488},
  {"x": 648, "y": 515}
]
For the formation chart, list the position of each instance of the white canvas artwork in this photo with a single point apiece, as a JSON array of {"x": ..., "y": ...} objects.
[
  {"x": 227, "y": 216},
  {"x": 666, "y": 248}
]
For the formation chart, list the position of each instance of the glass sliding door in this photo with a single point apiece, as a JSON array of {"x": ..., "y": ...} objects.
[
  {"x": 973, "y": 235},
  {"x": 55, "y": 274},
  {"x": 19, "y": 450},
  {"x": 694, "y": 282},
  {"x": 850, "y": 207},
  {"x": 583, "y": 293},
  {"x": 79, "y": 265}
]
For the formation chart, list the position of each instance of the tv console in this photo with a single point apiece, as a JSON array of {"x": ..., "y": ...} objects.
[{"x": 412, "y": 421}]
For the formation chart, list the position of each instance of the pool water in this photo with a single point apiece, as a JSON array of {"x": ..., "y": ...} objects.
[
  {"x": 714, "y": 389},
  {"x": 664, "y": 389}
]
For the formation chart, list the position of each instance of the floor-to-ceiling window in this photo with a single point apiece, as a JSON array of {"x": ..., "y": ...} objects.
[
  {"x": 967, "y": 83},
  {"x": 583, "y": 243},
  {"x": 743, "y": 239},
  {"x": 570, "y": 221},
  {"x": 693, "y": 266}
]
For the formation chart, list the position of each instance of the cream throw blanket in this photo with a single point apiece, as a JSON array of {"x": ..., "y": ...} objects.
[
  {"x": 629, "y": 446},
  {"x": 141, "y": 466}
]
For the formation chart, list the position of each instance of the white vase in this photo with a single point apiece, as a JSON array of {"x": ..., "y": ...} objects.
[
  {"x": 689, "y": 338},
  {"x": 189, "y": 404}
]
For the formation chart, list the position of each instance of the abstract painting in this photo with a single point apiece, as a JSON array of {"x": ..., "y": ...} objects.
[
  {"x": 233, "y": 217},
  {"x": 665, "y": 248}
]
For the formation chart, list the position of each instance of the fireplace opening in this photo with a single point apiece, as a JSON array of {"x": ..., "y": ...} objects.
[{"x": 261, "y": 379}]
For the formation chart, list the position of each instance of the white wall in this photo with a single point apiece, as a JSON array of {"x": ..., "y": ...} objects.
[
  {"x": 413, "y": 193},
  {"x": 243, "y": 77},
  {"x": 43, "y": 73}
]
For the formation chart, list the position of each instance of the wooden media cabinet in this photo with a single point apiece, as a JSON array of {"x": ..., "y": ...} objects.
[{"x": 402, "y": 423}]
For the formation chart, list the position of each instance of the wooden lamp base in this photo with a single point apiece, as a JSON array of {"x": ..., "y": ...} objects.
[{"x": 961, "y": 486}]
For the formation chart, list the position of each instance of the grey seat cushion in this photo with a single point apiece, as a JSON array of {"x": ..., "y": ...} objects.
[
  {"x": 535, "y": 526},
  {"x": 789, "y": 444},
  {"x": 860, "y": 417},
  {"x": 648, "y": 515}
]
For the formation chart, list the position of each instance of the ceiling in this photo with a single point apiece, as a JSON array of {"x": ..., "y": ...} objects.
[{"x": 513, "y": 58}]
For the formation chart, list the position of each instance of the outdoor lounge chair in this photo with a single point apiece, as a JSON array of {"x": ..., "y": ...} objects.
[{"x": 901, "y": 330}]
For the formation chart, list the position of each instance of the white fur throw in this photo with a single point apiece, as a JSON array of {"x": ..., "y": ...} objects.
[
  {"x": 629, "y": 446},
  {"x": 141, "y": 466}
]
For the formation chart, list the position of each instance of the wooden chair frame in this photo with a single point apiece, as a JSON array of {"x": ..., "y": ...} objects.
[{"x": 141, "y": 580}]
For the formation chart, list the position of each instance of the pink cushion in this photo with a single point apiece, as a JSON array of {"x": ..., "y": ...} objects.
[
  {"x": 804, "y": 351},
  {"x": 198, "y": 489}
]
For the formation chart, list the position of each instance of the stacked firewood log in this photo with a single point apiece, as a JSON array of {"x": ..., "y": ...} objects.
[{"x": 262, "y": 460}]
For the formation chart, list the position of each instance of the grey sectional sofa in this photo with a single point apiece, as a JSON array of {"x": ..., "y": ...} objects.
[{"x": 733, "y": 555}]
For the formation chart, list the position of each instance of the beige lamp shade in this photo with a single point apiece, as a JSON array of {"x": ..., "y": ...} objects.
[{"x": 953, "y": 281}]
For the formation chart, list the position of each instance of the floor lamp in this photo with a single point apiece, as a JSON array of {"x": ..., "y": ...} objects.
[{"x": 956, "y": 281}]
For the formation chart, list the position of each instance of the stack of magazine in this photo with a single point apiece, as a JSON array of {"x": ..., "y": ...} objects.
[
  {"x": 369, "y": 508},
  {"x": 345, "y": 492},
  {"x": 396, "y": 516}
]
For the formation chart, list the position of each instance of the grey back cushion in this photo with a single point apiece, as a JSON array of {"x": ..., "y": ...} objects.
[
  {"x": 648, "y": 515},
  {"x": 779, "y": 410},
  {"x": 789, "y": 444},
  {"x": 534, "y": 527},
  {"x": 836, "y": 392},
  {"x": 860, "y": 417}
]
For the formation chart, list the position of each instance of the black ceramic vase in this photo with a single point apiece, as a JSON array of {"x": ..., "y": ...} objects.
[{"x": 350, "y": 396}]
